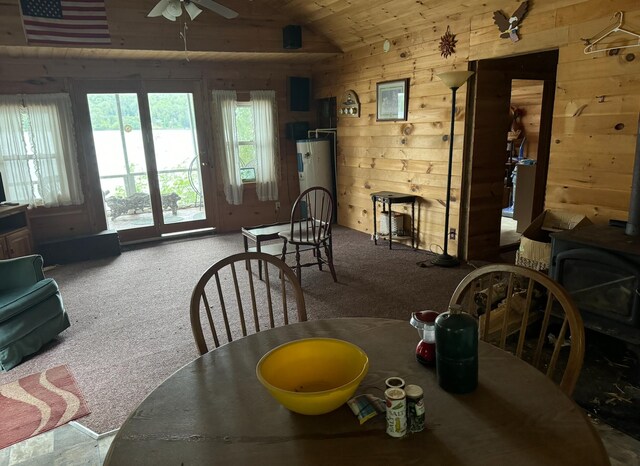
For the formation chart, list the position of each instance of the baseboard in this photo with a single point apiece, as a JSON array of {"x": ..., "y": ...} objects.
[{"x": 90, "y": 433}]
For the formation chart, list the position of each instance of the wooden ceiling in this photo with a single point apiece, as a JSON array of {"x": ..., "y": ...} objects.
[
  {"x": 329, "y": 27},
  {"x": 353, "y": 23}
]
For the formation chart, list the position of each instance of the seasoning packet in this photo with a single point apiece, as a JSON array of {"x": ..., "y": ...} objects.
[{"x": 366, "y": 406}]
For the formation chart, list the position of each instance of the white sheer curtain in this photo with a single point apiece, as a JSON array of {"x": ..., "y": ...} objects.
[
  {"x": 266, "y": 127},
  {"x": 38, "y": 156},
  {"x": 225, "y": 134}
]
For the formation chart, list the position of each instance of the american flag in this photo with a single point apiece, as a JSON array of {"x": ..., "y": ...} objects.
[{"x": 65, "y": 22}]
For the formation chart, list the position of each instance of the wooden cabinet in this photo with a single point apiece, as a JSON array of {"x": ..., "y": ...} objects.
[{"x": 15, "y": 232}]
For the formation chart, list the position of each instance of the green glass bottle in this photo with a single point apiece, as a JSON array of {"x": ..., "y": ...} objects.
[{"x": 457, "y": 350}]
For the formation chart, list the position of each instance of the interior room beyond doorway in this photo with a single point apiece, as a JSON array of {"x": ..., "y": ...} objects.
[{"x": 520, "y": 159}]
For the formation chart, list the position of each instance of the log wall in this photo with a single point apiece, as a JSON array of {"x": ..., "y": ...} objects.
[{"x": 595, "y": 118}]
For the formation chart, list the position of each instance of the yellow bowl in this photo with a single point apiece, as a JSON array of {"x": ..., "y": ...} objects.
[{"x": 313, "y": 375}]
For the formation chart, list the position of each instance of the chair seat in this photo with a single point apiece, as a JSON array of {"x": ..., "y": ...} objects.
[
  {"x": 18, "y": 300},
  {"x": 296, "y": 238}
]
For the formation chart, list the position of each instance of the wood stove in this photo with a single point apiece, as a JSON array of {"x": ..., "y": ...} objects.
[{"x": 600, "y": 267}]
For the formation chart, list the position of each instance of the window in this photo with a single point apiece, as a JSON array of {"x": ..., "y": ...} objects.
[
  {"x": 37, "y": 150},
  {"x": 246, "y": 141}
]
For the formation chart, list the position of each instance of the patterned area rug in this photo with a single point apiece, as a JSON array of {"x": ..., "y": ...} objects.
[{"x": 38, "y": 403}]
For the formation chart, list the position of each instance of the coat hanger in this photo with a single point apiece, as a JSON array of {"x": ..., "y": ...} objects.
[{"x": 591, "y": 43}]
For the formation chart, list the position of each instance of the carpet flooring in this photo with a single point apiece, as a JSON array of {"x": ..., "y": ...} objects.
[
  {"x": 130, "y": 325},
  {"x": 129, "y": 315}
]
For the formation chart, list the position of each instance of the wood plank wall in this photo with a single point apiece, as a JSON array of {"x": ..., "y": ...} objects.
[
  {"x": 594, "y": 123},
  {"x": 37, "y": 76},
  {"x": 408, "y": 157}
]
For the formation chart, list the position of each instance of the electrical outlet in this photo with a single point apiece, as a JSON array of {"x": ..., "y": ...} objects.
[
  {"x": 452, "y": 233},
  {"x": 277, "y": 206}
]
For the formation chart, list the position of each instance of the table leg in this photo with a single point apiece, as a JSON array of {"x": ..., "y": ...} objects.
[
  {"x": 246, "y": 249},
  {"x": 413, "y": 224},
  {"x": 375, "y": 223},
  {"x": 390, "y": 229},
  {"x": 258, "y": 249}
]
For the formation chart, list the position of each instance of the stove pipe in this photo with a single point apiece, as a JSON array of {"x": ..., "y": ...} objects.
[{"x": 633, "y": 224}]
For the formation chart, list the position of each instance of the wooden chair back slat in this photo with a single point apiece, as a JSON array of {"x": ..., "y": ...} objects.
[
  {"x": 254, "y": 307},
  {"x": 520, "y": 310},
  {"x": 267, "y": 281},
  {"x": 229, "y": 287},
  {"x": 212, "y": 326},
  {"x": 525, "y": 319},
  {"x": 284, "y": 297},
  {"x": 223, "y": 308},
  {"x": 243, "y": 323},
  {"x": 507, "y": 312},
  {"x": 556, "y": 350},
  {"x": 487, "y": 314},
  {"x": 543, "y": 331}
]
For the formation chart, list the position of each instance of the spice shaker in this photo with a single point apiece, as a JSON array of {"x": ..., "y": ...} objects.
[
  {"x": 415, "y": 408},
  {"x": 396, "y": 402},
  {"x": 457, "y": 350}
]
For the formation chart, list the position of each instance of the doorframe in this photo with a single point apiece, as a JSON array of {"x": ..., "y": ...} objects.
[
  {"x": 81, "y": 88},
  {"x": 480, "y": 196}
]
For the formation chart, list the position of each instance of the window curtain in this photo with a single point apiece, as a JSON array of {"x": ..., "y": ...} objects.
[
  {"x": 266, "y": 130},
  {"x": 38, "y": 155},
  {"x": 225, "y": 134}
]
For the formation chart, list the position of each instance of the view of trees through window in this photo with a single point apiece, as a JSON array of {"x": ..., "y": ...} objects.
[
  {"x": 115, "y": 120},
  {"x": 246, "y": 141}
]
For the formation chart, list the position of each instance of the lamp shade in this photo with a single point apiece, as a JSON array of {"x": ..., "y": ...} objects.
[{"x": 454, "y": 79}]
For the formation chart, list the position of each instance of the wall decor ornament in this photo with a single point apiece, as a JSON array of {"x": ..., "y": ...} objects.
[
  {"x": 447, "y": 44},
  {"x": 349, "y": 104},
  {"x": 509, "y": 26},
  {"x": 392, "y": 100}
]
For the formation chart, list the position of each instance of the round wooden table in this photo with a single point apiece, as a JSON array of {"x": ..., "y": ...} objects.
[{"x": 214, "y": 411}]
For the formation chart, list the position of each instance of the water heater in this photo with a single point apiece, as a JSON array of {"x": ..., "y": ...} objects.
[{"x": 315, "y": 163}]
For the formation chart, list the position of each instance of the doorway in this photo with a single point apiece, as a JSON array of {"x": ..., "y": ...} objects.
[
  {"x": 506, "y": 171},
  {"x": 147, "y": 149},
  {"x": 521, "y": 160}
]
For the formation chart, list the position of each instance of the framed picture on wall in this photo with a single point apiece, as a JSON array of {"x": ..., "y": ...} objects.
[{"x": 393, "y": 100}]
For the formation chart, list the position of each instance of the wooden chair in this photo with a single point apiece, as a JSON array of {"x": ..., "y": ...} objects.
[
  {"x": 228, "y": 286},
  {"x": 311, "y": 218},
  {"x": 513, "y": 300}
]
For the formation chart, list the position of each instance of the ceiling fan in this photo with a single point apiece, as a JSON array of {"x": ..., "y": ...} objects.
[{"x": 171, "y": 9}]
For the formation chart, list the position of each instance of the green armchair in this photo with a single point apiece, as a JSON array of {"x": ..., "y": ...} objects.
[{"x": 31, "y": 311}]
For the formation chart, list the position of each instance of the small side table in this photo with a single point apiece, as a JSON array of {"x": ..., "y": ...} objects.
[
  {"x": 260, "y": 234},
  {"x": 389, "y": 198}
]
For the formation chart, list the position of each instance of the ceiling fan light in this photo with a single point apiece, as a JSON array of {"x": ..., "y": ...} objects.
[
  {"x": 168, "y": 15},
  {"x": 174, "y": 9},
  {"x": 192, "y": 10},
  {"x": 158, "y": 9}
]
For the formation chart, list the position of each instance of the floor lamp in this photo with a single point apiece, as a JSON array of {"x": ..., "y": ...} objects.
[{"x": 453, "y": 80}]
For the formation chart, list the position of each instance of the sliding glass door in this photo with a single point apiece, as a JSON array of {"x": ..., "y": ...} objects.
[
  {"x": 176, "y": 153},
  {"x": 148, "y": 159}
]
